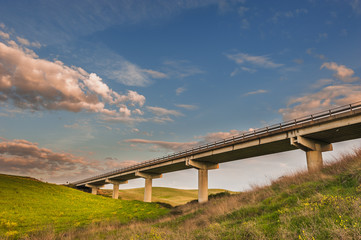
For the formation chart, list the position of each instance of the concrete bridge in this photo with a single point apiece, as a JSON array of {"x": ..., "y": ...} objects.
[{"x": 312, "y": 134}]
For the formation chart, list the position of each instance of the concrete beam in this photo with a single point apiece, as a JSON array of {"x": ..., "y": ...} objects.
[
  {"x": 307, "y": 144},
  {"x": 116, "y": 184},
  {"x": 202, "y": 165},
  {"x": 148, "y": 175},
  {"x": 313, "y": 149},
  {"x": 148, "y": 184},
  {"x": 94, "y": 188}
]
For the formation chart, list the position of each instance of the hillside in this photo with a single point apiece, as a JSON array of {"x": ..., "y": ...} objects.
[
  {"x": 321, "y": 205},
  {"x": 170, "y": 196},
  {"x": 28, "y": 205}
]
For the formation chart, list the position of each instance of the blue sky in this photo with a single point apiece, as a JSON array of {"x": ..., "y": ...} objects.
[{"x": 90, "y": 86}]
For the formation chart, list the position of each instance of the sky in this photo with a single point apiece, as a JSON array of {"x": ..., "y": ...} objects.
[{"x": 91, "y": 86}]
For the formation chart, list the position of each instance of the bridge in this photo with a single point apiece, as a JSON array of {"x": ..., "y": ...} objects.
[{"x": 312, "y": 134}]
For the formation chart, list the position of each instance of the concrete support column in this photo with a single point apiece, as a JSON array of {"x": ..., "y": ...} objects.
[
  {"x": 314, "y": 160},
  {"x": 313, "y": 149},
  {"x": 148, "y": 190},
  {"x": 115, "y": 191},
  {"x": 94, "y": 188},
  {"x": 202, "y": 185},
  {"x": 148, "y": 184},
  {"x": 203, "y": 168},
  {"x": 116, "y": 184}
]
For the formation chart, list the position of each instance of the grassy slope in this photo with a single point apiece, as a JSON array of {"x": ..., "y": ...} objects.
[
  {"x": 28, "y": 205},
  {"x": 322, "y": 205},
  {"x": 171, "y": 196}
]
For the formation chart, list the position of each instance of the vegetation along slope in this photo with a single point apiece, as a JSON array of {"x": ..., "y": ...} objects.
[
  {"x": 321, "y": 205},
  {"x": 170, "y": 196},
  {"x": 28, "y": 206}
]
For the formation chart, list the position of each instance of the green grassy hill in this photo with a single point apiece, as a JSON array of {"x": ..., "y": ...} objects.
[
  {"x": 321, "y": 205},
  {"x": 28, "y": 205},
  {"x": 171, "y": 196}
]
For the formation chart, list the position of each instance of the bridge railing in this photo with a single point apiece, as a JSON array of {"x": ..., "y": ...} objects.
[{"x": 233, "y": 139}]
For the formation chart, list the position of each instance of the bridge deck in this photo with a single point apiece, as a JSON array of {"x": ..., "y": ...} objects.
[{"x": 335, "y": 125}]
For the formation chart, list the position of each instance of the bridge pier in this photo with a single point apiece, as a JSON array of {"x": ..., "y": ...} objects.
[
  {"x": 203, "y": 168},
  {"x": 94, "y": 188},
  {"x": 116, "y": 184},
  {"x": 313, "y": 149},
  {"x": 148, "y": 184}
]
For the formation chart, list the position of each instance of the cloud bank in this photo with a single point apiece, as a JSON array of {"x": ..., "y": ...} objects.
[
  {"x": 29, "y": 82},
  {"x": 20, "y": 156},
  {"x": 343, "y": 90}
]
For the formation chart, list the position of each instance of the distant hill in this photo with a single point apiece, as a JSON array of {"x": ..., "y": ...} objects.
[
  {"x": 170, "y": 196},
  {"x": 28, "y": 205}
]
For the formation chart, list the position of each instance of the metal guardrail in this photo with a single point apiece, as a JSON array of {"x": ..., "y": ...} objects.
[{"x": 233, "y": 139}]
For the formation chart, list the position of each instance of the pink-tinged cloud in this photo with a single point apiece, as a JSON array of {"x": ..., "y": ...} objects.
[
  {"x": 215, "y": 136},
  {"x": 343, "y": 73},
  {"x": 260, "y": 61},
  {"x": 326, "y": 98},
  {"x": 32, "y": 83},
  {"x": 163, "y": 145},
  {"x": 156, "y": 145},
  {"x": 27, "y": 158},
  {"x": 259, "y": 91},
  {"x": 332, "y": 94},
  {"x": 159, "y": 111},
  {"x": 4, "y": 35}
]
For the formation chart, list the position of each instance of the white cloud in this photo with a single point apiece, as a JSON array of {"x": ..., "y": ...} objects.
[
  {"x": 289, "y": 14},
  {"x": 244, "y": 24},
  {"x": 131, "y": 75},
  {"x": 155, "y": 74},
  {"x": 342, "y": 72},
  {"x": 23, "y": 41},
  {"x": 242, "y": 10},
  {"x": 180, "y": 90},
  {"x": 321, "y": 36},
  {"x": 4, "y": 35},
  {"x": 298, "y": 61},
  {"x": 134, "y": 98},
  {"x": 161, "y": 119},
  {"x": 250, "y": 70},
  {"x": 159, "y": 111},
  {"x": 356, "y": 6},
  {"x": 26, "y": 42},
  {"x": 322, "y": 82},
  {"x": 186, "y": 106},
  {"x": 120, "y": 118},
  {"x": 180, "y": 68},
  {"x": 260, "y": 61},
  {"x": 310, "y": 51},
  {"x": 124, "y": 111},
  {"x": 215, "y": 136},
  {"x": 255, "y": 92},
  {"x": 138, "y": 111}
]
